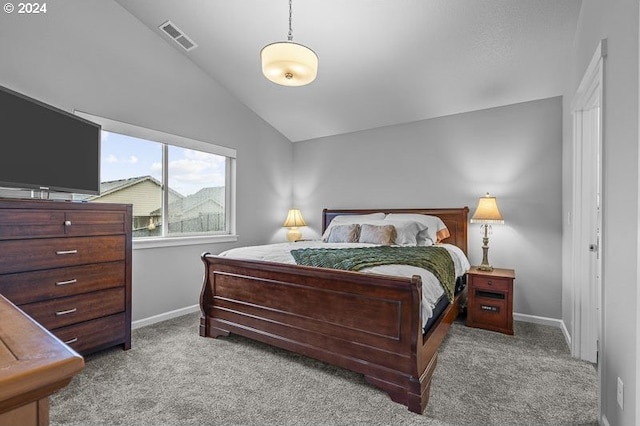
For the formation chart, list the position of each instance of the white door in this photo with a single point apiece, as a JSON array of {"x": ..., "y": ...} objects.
[
  {"x": 590, "y": 281},
  {"x": 586, "y": 246}
]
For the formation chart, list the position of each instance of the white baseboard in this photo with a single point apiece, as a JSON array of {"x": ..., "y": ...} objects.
[
  {"x": 164, "y": 316},
  {"x": 537, "y": 320},
  {"x": 545, "y": 321},
  {"x": 567, "y": 336},
  {"x": 605, "y": 422}
]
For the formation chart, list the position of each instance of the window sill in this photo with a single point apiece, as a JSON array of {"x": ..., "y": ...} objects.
[{"x": 147, "y": 243}]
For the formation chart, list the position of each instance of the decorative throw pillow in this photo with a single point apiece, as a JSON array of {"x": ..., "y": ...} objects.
[
  {"x": 377, "y": 234},
  {"x": 344, "y": 234},
  {"x": 349, "y": 219},
  {"x": 407, "y": 231}
]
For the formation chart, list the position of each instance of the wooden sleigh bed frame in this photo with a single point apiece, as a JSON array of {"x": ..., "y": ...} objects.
[{"x": 366, "y": 323}]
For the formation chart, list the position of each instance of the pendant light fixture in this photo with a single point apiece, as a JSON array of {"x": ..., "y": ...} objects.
[{"x": 288, "y": 63}]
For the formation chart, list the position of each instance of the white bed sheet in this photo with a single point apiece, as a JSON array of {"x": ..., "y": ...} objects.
[{"x": 431, "y": 288}]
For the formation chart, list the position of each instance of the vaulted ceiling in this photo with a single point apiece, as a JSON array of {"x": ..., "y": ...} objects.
[{"x": 381, "y": 62}]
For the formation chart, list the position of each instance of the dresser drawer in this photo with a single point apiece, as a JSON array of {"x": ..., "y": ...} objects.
[
  {"x": 18, "y": 223},
  {"x": 101, "y": 332},
  {"x": 492, "y": 283},
  {"x": 33, "y": 223},
  {"x": 64, "y": 311},
  {"x": 95, "y": 223},
  {"x": 46, "y": 253},
  {"x": 29, "y": 287}
]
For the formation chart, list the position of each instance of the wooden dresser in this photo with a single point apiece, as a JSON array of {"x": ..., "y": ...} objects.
[{"x": 68, "y": 266}]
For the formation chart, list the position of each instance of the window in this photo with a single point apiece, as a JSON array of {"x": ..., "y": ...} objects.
[{"x": 178, "y": 187}]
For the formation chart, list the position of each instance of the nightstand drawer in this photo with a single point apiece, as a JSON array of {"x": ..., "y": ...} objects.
[
  {"x": 490, "y": 311},
  {"x": 492, "y": 283}
]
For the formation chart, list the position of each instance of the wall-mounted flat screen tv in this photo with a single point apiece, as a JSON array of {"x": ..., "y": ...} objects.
[{"x": 43, "y": 147}]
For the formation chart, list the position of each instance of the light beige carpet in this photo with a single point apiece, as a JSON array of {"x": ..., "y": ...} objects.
[{"x": 172, "y": 376}]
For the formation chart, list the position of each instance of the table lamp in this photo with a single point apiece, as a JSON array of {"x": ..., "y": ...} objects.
[
  {"x": 486, "y": 214},
  {"x": 294, "y": 219}
]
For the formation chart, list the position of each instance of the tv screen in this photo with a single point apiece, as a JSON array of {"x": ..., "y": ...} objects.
[{"x": 44, "y": 147}]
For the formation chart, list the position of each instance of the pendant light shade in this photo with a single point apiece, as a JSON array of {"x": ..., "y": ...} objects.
[{"x": 289, "y": 64}]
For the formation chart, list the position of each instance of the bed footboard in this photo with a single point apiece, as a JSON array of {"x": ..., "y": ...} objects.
[{"x": 366, "y": 323}]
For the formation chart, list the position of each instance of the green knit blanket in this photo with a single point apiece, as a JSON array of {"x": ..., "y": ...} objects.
[{"x": 435, "y": 259}]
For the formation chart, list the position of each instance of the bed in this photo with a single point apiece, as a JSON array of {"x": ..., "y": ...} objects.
[{"x": 365, "y": 322}]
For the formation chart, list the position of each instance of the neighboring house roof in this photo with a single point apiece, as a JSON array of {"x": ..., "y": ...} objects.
[
  {"x": 112, "y": 186},
  {"x": 209, "y": 199},
  {"x": 117, "y": 185},
  {"x": 195, "y": 202}
]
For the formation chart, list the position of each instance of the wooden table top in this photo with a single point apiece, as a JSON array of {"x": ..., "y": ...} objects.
[{"x": 33, "y": 362}]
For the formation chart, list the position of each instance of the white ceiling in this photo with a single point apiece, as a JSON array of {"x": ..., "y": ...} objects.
[{"x": 381, "y": 62}]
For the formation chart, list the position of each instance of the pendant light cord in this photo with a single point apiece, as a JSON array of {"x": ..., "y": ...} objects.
[{"x": 290, "y": 31}]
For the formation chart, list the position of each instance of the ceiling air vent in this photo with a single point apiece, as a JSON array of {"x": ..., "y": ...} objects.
[{"x": 178, "y": 36}]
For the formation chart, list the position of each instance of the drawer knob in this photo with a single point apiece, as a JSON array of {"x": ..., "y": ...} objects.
[
  {"x": 67, "y": 223},
  {"x": 489, "y": 282},
  {"x": 70, "y": 341},
  {"x": 67, "y": 312},
  {"x": 67, "y": 252},
  {"x": 67, "y": 282}
]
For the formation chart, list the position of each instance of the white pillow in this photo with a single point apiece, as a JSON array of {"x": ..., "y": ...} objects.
[
  {"x": 436, "y": 229},
  {"x": 349, "y": 219}
]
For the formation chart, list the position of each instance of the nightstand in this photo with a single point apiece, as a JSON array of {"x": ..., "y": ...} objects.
[{"x": 490, "y": 299}]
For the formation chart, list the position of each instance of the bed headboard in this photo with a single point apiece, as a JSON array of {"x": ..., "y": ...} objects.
[{"x": 455, "y": 219}]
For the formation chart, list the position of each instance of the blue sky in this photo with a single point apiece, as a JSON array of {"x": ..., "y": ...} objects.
[{"x": 124, "y": 157}]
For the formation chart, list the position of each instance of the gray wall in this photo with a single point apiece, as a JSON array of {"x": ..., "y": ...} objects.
[
  {"x": 93, "y": 56},
  {"x": 514, "y": 152},
  {"x": 617, "y": 21}
]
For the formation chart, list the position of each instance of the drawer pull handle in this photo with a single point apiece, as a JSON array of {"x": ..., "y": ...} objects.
[
  {"x": 67, "y": 223},
  {"x": 67, "y": 282},
  {"x": 70, "y": 341},
  {"x": 67, "y": 252},
  {"x": 68, "y": 311},
  {"x": 489, "y": 282}
]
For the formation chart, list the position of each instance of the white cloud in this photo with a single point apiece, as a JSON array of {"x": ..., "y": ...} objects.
[{"x": 197, "y": 170}]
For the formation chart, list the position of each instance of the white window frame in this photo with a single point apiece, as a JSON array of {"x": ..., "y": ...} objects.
[{"x": 183, "y": 142}]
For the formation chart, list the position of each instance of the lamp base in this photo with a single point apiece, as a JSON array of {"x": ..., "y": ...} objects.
[
  {"x": 294, "y": 235},
  {"x": 484, "y": 266}
]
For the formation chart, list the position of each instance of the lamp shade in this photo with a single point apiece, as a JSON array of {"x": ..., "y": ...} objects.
[
  {"x": 487, "y": 211},
  {"x": 294, "y": 219},
  {"x": 289, "y": 64}
]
